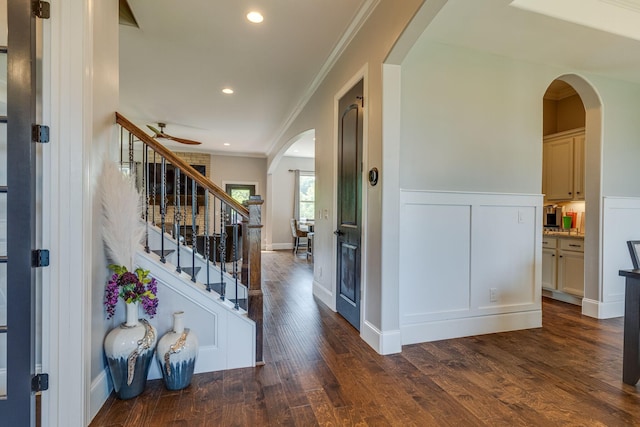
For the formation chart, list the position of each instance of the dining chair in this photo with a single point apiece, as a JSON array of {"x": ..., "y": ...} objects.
[{"x": 297, "y": 234}]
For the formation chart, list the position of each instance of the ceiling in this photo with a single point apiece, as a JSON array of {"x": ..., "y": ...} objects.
[
  {"x": 547, "y": 36},
  {"x": 175, "y": 65}
]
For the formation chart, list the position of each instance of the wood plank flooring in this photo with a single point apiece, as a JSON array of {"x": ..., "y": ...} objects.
[{"x": 319, "y": 372}]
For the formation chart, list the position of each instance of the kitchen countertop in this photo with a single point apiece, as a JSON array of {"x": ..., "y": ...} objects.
[{"x": 563, "y": 234}]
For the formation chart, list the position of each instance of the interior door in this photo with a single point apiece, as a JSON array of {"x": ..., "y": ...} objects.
[
  {"x": 349, "y": 192},
  {"x": 17, "y": 212}
]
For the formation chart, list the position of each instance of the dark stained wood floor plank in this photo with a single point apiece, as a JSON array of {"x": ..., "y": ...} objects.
[{"x": 319, "y": 372}]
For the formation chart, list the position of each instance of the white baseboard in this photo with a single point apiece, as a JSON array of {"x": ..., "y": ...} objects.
[
  {"x": 100, "y": 391},
  {"x": 324, "y": 295},
  {"x": 281, "y": 246},
  {"x": 389, "y": 342},
  {"x": 457, "y": 328},
  {"x": 602, "y": 310}
]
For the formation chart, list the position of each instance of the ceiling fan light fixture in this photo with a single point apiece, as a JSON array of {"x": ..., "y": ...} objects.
[{"x": 255, "y": 17}]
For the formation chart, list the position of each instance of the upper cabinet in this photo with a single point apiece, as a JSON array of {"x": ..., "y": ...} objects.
[{"x": 563, "y": 161}]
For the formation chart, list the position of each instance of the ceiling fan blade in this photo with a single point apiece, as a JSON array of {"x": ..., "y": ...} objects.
[
  {"x": 158, "y": 134},
  {"x": 161, "y": 134},
  {"x": 182, "y": 140}
]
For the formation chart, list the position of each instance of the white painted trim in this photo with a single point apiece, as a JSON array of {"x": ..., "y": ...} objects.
[
  {"x": 100, "y": 391},
  {"x": 389, "y": 342},
  {"x": 324, "y": 295},
  {"x": 281, "y": 246},
  {"x": 390, "y": 183},
  {"x": 602, "y": 310},
  {"x": 469, "y": 326},
  {"x": 66, "y": 329}
]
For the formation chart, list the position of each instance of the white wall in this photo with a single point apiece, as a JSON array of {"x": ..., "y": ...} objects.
[{"x": 282, "y": 183}]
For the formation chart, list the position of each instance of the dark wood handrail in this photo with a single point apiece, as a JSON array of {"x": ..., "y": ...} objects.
[{"x": 182, "y": 165}]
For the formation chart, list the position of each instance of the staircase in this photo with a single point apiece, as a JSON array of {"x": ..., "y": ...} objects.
[{"x": 194, "y": 232}]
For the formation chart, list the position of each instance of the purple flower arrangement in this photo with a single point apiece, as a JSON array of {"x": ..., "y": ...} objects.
[{"x": 131, "y": 287}]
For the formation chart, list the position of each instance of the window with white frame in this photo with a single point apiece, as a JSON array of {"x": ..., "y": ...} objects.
[{"x": 307, "y": 196}]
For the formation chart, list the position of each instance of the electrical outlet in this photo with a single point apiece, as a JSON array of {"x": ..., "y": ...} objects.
[{"x": 493, "y": 294}]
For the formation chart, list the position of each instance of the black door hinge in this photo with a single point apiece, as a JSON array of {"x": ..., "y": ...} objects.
[
  {"x": 40, "y": 133},
  {"x": 41, "y": 9},
  {"x": 39, "y": 382},
  {"x": 40, "y": 258}
]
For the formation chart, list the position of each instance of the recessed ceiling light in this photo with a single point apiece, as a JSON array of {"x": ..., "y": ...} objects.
[
  {"x": 226, "y": 144},
  {"x": 255, "y": 17},
  {"x": 227, "y": 90}
]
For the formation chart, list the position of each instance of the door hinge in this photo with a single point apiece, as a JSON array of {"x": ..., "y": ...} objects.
[
  {"x": 40, "y": 258},
  {"x": 40, "y": 382},
  {"x": 41, "y": 9},
  {"x": 40, "y": 133}
]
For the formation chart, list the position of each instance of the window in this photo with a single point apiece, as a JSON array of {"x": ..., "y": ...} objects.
[{"x": 307, "y": 196}]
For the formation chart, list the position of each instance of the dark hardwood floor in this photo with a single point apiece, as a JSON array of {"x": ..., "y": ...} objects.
[{"x": 319, "y": 372}]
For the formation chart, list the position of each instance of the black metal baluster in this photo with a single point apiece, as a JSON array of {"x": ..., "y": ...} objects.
[
  {"x": 186, "y": 197},
  {"x": 155, "y": 184},
  {"x": 177, "y": 214},
  {"x": 221, "y": 251},
  {"x": 194, "y": 250},
  {"x": 131, "y": 162},
  {"x": 235, "y": 256},
  {"x": 145, "y": 184},
  {"x": 163, "y": 205},
  {"x": 206, "y": 238}
]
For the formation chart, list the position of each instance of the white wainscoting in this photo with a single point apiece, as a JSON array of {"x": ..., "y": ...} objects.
[
  {"x": 620, "y": 223},
  {"x": 456, "y": 250}
]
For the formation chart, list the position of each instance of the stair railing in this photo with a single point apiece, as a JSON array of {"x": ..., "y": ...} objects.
[{"x": 221, "y": 230}]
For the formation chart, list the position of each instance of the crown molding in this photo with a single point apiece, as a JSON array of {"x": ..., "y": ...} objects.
[{"x": 355, "y": 26}]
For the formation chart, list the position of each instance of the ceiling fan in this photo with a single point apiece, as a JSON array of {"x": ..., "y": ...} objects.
[{"x": 160, "y": 134}]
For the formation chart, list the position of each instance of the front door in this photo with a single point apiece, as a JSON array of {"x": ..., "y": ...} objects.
[
  {"x": 17, "y": 212},
  {"x": 349, "y": 203}
]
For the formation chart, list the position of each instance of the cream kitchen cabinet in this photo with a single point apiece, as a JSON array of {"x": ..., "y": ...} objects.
[
  {"x": 563, "y": 166},
  {"x": 571, "y": 266},
  {"x": 549, "y": 264}
]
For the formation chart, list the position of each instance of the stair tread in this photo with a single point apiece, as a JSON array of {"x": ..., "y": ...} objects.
[
  {"x": 188, "y": 270},
  {"x": 242, "y": 303}
]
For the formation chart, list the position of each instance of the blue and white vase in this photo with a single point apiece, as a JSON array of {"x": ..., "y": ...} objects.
[
  {"x": 129, "y": 349},
  {"x": 177, "y": 352}
]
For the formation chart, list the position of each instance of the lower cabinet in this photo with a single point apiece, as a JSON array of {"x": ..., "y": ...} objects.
[
  {"x": 563, "y": 265},
  {"x": 549, "y": 265},
  {"x": 571, "y": 272}
]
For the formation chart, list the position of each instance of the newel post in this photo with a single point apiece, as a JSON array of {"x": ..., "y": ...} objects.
[{"x": 255, "y": 302}]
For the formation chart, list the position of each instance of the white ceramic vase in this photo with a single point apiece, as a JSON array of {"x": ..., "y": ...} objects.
[
  {"x": 129, "y": 349},
  {"x": 177, "y": 352}
]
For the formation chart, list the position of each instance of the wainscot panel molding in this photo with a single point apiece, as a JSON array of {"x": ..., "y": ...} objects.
[
  {"x": 470, "y": 263},
  {"x": 620, "y": 223}
]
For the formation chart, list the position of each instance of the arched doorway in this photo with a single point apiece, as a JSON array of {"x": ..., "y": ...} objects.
[{"x": 578, "y": 134}]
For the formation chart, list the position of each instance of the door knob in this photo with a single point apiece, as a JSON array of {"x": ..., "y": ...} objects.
[{"x": 338, "y": 233}]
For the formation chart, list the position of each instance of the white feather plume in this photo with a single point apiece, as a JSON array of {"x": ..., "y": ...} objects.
[{"x": 122, "y": 229}]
